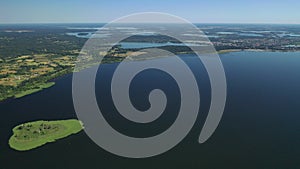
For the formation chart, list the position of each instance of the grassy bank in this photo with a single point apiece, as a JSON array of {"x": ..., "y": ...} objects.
[
  {"x": 31, "y": 135},
  {"x": 37, "y": 89}
]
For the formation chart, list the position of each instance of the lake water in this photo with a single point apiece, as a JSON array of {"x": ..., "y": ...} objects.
[
  {"x": 138, "y": 45},
  {"x": 260, "y": 127}
]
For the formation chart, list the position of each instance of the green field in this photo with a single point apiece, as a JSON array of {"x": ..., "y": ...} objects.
[{"x": 30, "y": 135}]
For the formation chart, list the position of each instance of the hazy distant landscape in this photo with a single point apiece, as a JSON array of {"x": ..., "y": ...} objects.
[{"x": 32, "y": 55}]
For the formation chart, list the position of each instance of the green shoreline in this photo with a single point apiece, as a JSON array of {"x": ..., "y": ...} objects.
[
  {"x": 34, "y": 86},
  {"x": 44, "y": 85},
  {"x": 31, "y": 135},
  {"x": 37, "y": 89}
]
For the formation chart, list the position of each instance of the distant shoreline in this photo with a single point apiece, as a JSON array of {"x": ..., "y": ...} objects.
[
  {"x": 45, "y": 85},
  {"x": 253, "y": 50}
]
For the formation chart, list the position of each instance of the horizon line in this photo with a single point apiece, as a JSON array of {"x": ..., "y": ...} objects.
[{"x": 233, "y": 23}]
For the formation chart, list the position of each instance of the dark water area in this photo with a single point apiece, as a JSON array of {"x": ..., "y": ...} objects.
[{"x": 260, "y": 127}]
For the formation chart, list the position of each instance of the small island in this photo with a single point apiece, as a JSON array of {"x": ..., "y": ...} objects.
[{"x": 31, "y": 135}]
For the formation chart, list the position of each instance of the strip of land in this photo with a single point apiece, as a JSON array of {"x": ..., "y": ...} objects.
[{"x": 34, "y": 90}]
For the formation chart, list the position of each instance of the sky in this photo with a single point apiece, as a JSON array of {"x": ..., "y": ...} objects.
[{"x": 196, "y": 11}]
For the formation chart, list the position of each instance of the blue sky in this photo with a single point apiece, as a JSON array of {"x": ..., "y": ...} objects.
[{"x": 197, "y": 11}]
